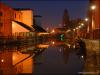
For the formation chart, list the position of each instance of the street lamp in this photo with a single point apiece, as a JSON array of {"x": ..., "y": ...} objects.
[
  {"x": 73, "y": 29},
  {"x": 87, "y": 25},
  {"x": 82, "y": 24},
  {"x": 53, "y": 31},
  {"x": 93, "y": 7},
  {"x": 86, "y": 19}
]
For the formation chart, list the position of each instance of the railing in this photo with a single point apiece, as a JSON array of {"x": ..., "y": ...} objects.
[{"x": 18, "y": 37}]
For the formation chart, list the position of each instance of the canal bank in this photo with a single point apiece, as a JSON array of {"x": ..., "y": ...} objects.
[{"x": 93, "y": 56}]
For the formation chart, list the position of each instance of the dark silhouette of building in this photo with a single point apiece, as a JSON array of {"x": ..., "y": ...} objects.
[
  {"x": 37, "y": 24},
  {"x": 65, "y": 21}
]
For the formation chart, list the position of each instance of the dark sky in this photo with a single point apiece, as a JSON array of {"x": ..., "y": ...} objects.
[{"x": 52, "y": 11}]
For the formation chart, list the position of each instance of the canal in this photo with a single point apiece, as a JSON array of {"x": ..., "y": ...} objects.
[{"x": 46, "y": 58}]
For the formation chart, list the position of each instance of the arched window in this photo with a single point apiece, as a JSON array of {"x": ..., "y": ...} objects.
[{"x": 15, "y": 15}]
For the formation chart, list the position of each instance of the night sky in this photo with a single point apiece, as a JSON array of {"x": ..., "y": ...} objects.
[{"x": 52, "y": 11}]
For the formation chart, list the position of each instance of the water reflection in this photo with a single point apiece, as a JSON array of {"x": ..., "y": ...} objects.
[
  {"x": 18, "y": 59},
  {"x": 55, "y": 58}
]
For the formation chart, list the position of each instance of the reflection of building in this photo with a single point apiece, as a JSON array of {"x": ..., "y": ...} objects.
[
  {"x": 12, "y": 63},
  {"x": 37, "y": 20},
  {"x": 22, "y": 63},
  {"x": 6, "y": 67},
  {"x": 60, "y": 30},
  {"x": 65, "y": 54},
  {"x": 15, "y": 20}
]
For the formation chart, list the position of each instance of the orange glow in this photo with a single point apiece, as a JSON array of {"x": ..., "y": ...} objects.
[
  {"x": 53, "y": 31},
  {"x": 53, "y": 42},
  {"x": 73, "y": 29},
  {"x": 68, "y": 30},
  {"x": 2, "y": 60},
  {"x": 82, "y": 24},
  {"x": 69, "y": 45},
  {"x": 25, "y": 66},
  {"x": 93, "y": 24},
  {"x": 77, "y": 28},
  {"x": 42, "y": 46},
  {"x": 17, "y": 28},
  {"x": 93, "y": 7},
  {"x": 42, "y": 34}
]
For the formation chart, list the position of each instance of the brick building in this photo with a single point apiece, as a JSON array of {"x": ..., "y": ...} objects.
[
  {"x": 6, "y": 17},
  {"x": 14, "y": 21},
  {"x": 6, "y": 67},
  {"x": 94, "y": 19}
]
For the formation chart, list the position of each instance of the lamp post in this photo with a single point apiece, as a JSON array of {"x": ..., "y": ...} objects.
[
  {"x": 86, "y": 20},
  {"x": 93, "y": 7}
]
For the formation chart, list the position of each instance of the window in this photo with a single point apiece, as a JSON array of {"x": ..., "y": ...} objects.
[
  {"x": 19, "y": 16},
  {"x": 0, "y": 13},
  {"x": 15, "y": 15},
  {"x": 1, "y": 24}
]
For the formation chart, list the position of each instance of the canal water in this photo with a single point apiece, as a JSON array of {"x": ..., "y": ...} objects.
[
  {"x": 58, "y": 60},
  {"x": 40, "y": 59}
]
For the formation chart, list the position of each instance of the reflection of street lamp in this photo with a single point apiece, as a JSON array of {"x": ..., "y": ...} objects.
[
  {"x": 2, "y": 60},
  {"x": 93, "y": 7}
]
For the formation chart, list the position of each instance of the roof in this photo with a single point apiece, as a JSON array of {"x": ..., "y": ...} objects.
[
  {"x": 25, "y": 26},
  {"x": 18, "y": 9},
  {"x": 63, "y": 29},
  {"x": 38, "y": 28},
  {"x": 34, "y": 28}
]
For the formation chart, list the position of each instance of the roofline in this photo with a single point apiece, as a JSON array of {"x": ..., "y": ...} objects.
[{"x": 18, "y": 9}]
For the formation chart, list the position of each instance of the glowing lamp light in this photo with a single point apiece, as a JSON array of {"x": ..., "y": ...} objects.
[
  {"x": 53, "y": 42},
  {"x": 53, "y": 31},
  {"x": 73, "y": 29},
  {"x": 69, "y": 45},
  {"x": 82, "y": 56},
  {"x": 68, "y": 30},
  {"x": 79, "y": 26},
  {"x": 73, "y": 46},
  {"x": 86, "y": 19},
  {"x": 82, "y": 24},
  {"x": 2, "y": 60},
  {"x": 93, "y": 7}
]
